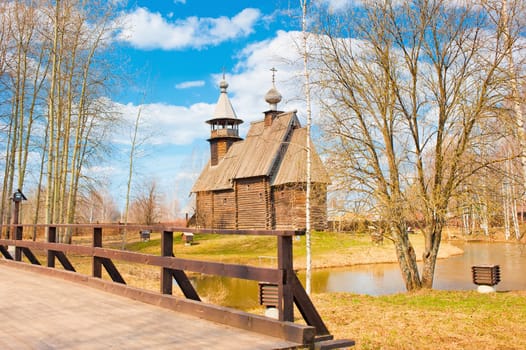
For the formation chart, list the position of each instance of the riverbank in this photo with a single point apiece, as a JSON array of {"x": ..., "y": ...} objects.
[
  {"x": 365, "y": 253},
  {"x": 328, "y": 249}
]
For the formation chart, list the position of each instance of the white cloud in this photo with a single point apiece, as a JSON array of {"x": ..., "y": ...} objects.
[
  {"x": 190, "y": 84},
  {"x": 339, "y": 5},
  {"x": 146, "y": 30},
  {"x": 248, "y": 84},
  {"x": 254, "y": 78},
  {"x": 175, "y": 125}
]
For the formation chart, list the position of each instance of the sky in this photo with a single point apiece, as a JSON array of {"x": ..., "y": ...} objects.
[{"x": 176, "y": 52}]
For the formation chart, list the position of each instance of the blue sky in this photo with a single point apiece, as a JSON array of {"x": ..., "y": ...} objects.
[{"x": 176, "y": 51}]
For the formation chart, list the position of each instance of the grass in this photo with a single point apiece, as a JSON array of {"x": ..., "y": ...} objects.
[
  {"x": 427, "y": 319},
  {"x": 329, "y": 249}
]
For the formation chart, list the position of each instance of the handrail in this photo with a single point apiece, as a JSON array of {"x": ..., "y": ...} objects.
[
  {"x": 290, "y": 290},
  {"x": 164, "y": 227}
]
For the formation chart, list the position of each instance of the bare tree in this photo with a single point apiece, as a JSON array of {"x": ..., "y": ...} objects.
[
  {"x": 146, "y": 206},
  {"x": 133, "y": 153},
  {"x": 510, "y": 25},
  {"x": 55, "y": 77},
  {"x": 25, "y": 69},
  {"x": 412, "y": 89},
  {"x": 77, "y": 113}
]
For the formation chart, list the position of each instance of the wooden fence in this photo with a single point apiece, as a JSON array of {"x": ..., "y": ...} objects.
[{"x": 290, "y": 289}]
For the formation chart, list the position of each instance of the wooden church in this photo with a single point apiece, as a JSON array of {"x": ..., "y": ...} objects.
[{"x": 259, "y": 182}]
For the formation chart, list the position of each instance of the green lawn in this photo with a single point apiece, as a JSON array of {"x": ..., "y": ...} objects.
[{"x": 254, "y": 249}]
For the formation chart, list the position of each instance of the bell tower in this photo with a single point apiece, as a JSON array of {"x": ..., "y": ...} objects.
[{"x": 224, "y": 127}]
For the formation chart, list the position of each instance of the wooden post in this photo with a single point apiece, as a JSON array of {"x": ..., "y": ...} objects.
[
  {"x": 97, "y": 262},
  {"x": 17, "y": 234},
  {"x": 286, "y": 297},
  {"x": 51, "y": 238},
  {"x": 167, "y": 242}
]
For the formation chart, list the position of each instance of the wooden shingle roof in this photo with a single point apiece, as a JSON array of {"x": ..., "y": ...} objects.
[
  {"x": 276, "y": 151},
  {"x": 293, "y": 164}
]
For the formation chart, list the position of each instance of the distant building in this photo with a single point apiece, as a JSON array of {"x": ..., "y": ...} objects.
[{"x": 259, "y": 182}]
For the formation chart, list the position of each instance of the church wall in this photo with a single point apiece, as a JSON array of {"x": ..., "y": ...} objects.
[
  {"x": 253, "y": 200},
  {"x": 290, "y": 207},
  {"x": 204, "y": 209},
  {"x": 285, "y": 216},
  {"x": 319, "y": 207},
  {"x": 224, "y": 210}
]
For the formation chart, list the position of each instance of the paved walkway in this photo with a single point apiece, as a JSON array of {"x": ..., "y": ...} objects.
[{"x": 42, "y": 312}]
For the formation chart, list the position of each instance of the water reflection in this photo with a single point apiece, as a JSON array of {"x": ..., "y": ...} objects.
[
  {"x": 361, "y": 279},
  {"x": 455, "y": 273},
  {"x": 377, "y": 279}
]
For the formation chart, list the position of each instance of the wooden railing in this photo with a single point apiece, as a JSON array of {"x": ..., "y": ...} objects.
[{"x": 290, "y": 289}]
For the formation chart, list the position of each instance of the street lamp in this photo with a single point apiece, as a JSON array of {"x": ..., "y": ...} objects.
[{"x": 18, "y": 196}]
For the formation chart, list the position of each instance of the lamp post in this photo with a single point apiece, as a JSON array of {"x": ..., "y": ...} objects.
[{"x": 18, "y": 197}]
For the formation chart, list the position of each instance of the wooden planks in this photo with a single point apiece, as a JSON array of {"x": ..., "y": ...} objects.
[
  {"x": 298, "y": 334},
  {"x": 42, "y": 311}
]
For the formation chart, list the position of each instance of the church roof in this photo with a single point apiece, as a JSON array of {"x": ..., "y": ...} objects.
[
  {"x": 224, "y": 109},
  {"x": 276, "y": 151},
  {"x": 294, "y": 162}
]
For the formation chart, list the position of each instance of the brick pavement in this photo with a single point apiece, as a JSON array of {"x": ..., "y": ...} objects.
[{"x": 42, "y": 312}]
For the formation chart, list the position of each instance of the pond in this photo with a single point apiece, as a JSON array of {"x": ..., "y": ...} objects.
[{"x": 453, "y": 273}]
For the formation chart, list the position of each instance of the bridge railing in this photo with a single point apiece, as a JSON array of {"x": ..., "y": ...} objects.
[{"x": 290, "y": 289}]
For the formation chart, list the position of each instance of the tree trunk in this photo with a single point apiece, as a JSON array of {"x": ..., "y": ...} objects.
[
  {"x": 406, "y": 256},
  {"x": 433, "y": 236}
]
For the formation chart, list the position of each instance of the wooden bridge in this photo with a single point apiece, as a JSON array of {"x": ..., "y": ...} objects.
[{"x": 185, "y": 321}]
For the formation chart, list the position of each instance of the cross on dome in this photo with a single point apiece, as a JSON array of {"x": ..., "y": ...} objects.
[{"x": 273, "y": 97}]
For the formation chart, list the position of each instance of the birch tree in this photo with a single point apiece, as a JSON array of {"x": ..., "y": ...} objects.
[
  {"x": 304, "y": 7},
  {"x": 25, "y": 68},
  {"x": 56, "y": 78},
  {"x": 412, "y": 91},
  {"x": 133, "y": 153},
  {"x": 509, "y": 16},
  {"x": 76, "y": 113}
]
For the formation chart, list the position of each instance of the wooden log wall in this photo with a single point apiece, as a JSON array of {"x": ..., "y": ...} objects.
[
  {"x": 204, "y": 209},
  {"x": 255, "y": 205},
  {"x": 214, "y": 159},
  {"x": 290, "y": 206},
  {"x": 253, "y": 198},
  {"x": 225, "y": 210},
  {"x": 283, "y": 206},
  {"x": 319, "y": 207}
]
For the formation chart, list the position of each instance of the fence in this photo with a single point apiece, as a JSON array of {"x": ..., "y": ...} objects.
[{"x": 290, "y": 291}]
